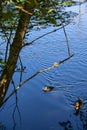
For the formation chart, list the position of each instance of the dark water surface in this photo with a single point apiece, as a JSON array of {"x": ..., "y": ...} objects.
[{"x": 53, "y": 110}]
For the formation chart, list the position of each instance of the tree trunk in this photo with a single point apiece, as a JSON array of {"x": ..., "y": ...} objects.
[{"x": 14, "y": 51}]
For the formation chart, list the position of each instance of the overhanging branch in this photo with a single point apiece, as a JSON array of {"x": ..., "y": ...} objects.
[
  {"x": 50, "y": 32},
  {"x": 56, "y": 64}
]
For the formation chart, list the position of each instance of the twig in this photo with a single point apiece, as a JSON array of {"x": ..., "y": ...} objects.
[
  {"x": 30, "y": 43},
  {"x": 67, "y": 42},
  {"x": 16, "y": 107},
  {"x": 21, "y": 68},
  {"x": 8, "y": 44},
  {"x": 56, "y": 64},
  {"x": 26, "y": 44}
]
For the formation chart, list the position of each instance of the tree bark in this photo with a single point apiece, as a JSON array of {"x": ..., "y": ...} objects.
[{"x": 14, "y": 51}]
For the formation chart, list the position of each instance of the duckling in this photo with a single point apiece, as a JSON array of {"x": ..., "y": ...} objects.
[
  {"x": 48, "y": 88},
  {"x": 78, "y": 104}
]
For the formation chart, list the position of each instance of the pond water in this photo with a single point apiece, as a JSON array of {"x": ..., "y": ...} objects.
[{"x": 39, "y": 110}]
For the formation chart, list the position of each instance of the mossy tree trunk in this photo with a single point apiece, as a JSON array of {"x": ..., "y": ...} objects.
[{"x": 14, "y": 51}]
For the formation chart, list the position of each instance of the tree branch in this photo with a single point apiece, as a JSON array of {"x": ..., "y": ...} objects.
[
  {"x": 22, "y": 9},
  {"x": 61, "y": 26},
  {"x": 56, "y": 64},
  {"x": 61, "y": 19},
  {"x": 30, "y": 43}
]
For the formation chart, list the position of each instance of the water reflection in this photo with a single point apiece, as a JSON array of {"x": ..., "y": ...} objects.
[
  {"x": 34, "y": 109},
  {"x": 2, "y": 127},
  {"x": 66, "y": 125},
  {"x": 81, "y": 123}
]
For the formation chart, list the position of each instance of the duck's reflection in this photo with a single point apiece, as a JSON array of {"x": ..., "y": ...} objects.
[{"x": 77, "y": 119}]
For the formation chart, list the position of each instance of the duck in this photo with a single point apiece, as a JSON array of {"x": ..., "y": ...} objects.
[
  {"x": 78, "y": 104},
  {"x": 48, "y": 88}
]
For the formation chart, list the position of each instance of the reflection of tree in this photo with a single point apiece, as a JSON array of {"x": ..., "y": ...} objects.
[
  {"x": 16, "y": 108},
  {"x": 80, "y": 19},
  {"x": 83, "y": 118},
  {"x": 66, "y": 125},
  {"x": 80, "y": 120},
  {"x": 2, "y": 127},
  {"x": 15, "y": 47},
  {"x": 56, "y": 64}
]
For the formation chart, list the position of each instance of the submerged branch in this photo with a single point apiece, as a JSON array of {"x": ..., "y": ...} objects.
[{"x": 56, "y": 64}]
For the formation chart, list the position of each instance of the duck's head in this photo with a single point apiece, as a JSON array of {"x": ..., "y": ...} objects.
[
  {"x": 78, "y": 104},
  {"x": 48, "y": 88}
]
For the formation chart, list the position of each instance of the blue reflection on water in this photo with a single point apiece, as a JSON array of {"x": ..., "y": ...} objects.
[{"x": 53, "y": 110}]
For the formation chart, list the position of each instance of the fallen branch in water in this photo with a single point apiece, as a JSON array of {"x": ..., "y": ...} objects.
[{"x": 56, "y": 64}]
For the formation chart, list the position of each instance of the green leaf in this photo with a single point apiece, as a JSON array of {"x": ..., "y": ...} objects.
[
  {"x": 67, "y": 3},
  {"x": 51, "y": 20},
  {"x": 50, "y": 10}
]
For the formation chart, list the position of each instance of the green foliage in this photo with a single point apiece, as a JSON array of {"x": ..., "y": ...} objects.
[
  {"x": 50, "y": 10},
  {"x": 67, "y": 3},
  {"x": 47, "y": 12},
  {"x": 2, "y": 63},
  {"x": 20, "y": 0}
]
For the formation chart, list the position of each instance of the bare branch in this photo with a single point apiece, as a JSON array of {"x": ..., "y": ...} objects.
[
  {"x": 30, "y": 43},
  {"x": 61, "y": 26},
  {"x": 16, "y": 107},
  {"x": 67, "y": 42},
  {"x": 56, "y": 64}
]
